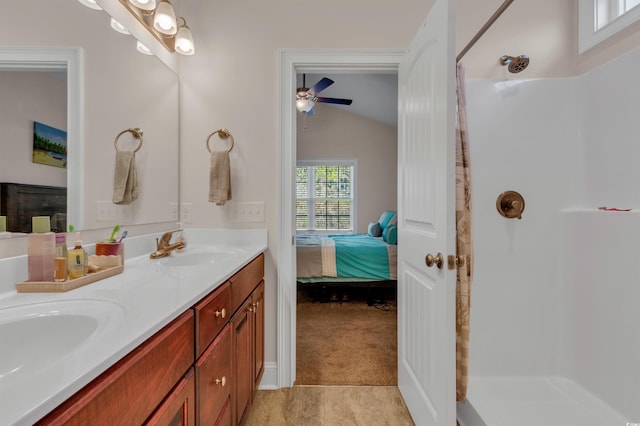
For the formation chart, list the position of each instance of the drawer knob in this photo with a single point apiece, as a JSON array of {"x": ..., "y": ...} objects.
[
  {"x": 222, "y": 313},
  {"x": 222, "y": 381}
]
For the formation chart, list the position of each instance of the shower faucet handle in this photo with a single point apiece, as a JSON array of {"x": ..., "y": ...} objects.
[{"x": 510, "y": 204}]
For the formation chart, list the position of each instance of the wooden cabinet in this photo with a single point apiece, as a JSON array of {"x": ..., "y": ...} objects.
[
  {"x": 213, "y": 378},
  {"x": 130, "y": 390},
  {"x": 257, "y": 298},
  {"x": 203, "y": 368},
  {"x": 178, "y": 408}
]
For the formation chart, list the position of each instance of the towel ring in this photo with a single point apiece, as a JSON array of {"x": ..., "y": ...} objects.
[
  {"x": 223, "y": 134},
  {"x": 136, "y": 132}
]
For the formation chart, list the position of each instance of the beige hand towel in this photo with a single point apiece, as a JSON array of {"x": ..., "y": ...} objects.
[
  {"x": 219, "y": 178},
  {"x": 125, "y": 180}
]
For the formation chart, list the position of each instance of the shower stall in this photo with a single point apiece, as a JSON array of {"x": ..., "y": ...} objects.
[{"x": 555, "y": 308}]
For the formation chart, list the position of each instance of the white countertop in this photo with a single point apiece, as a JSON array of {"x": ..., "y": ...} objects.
[{"x": 144, "y": 298}]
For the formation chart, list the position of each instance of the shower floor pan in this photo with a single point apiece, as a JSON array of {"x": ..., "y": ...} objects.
[{"x": 533, "y": 401}]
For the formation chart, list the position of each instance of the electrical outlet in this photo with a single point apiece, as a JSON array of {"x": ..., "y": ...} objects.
[
  {"x": 173, "y": 212},
  {"x": 186, "y": 213},
  {"x": 252, "y": 211},
  {"x": 106, "y": 211}
]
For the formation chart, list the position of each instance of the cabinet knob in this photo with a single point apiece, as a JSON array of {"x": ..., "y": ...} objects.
[
  {"x": 222, "y": 313},
  {"x": 222, "y": 381},
  {"x": 252, "y": 308}
]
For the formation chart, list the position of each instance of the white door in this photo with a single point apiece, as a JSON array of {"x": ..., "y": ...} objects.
[{"x": 426, "y": 213}]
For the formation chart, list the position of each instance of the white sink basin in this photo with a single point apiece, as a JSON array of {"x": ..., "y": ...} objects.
[
  {"x": 34, "y": 336},
  {"x": 199, "y": 256}
]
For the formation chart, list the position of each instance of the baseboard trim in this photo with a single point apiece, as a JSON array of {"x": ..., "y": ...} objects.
[{"x": 269, "y": 377}]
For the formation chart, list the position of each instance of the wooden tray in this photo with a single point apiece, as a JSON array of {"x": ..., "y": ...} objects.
[{"x": 60, "y": 287}]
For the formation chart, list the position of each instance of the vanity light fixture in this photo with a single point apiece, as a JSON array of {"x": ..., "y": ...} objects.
[
  {"x": 184, "y": 40},
  {"x": 164, "y": 18},
  {"x": 144, "y": 4},
  {"x": 91, "y": 4},
  {"x": 118, "y": 27},
  {"x": 160, "y": 21}
]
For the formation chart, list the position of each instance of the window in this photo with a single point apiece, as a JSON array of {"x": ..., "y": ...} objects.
[
  {"x": 325, "y": 195},
  {"x": 600, "y": 19}
]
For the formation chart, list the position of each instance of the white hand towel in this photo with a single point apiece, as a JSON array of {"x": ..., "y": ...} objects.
[
  {"x": 219, "y": 178},
  {"x": 125, "y": 180}
]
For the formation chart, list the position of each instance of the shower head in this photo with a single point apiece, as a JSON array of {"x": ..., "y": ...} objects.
[{"x": 516, "y": 64}]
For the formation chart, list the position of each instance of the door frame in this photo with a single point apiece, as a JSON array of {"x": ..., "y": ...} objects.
[{"x": 292, "y": 62}]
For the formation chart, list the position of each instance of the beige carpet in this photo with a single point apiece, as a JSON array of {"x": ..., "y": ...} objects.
[{"x": 346, "y": 343}]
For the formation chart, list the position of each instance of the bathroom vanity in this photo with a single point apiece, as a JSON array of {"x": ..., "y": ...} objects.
[{"x": 184, "y": 346}]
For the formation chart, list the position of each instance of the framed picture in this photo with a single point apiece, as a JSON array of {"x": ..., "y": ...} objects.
[{"x": 49, "y": 145}]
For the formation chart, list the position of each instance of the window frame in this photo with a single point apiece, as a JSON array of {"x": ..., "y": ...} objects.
[
  {"x": 588, "y": 35},
  {"x": 351, "y": 162}
]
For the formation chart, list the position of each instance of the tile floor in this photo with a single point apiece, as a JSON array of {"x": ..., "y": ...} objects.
[{"x": 330, "y": 405}]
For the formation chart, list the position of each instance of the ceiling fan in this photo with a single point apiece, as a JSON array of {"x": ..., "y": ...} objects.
[{"x": 306, "y": 98}]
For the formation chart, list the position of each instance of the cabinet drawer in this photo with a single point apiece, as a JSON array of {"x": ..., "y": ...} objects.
[
  {"x": 212, "y": 313},
  {"x": 243, "y": 283},
  {"x": 213, "y": 378},
  {"x": 130, "y": 390}
]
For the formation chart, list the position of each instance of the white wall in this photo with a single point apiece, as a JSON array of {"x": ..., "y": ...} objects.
[
  {"x": 231, "y": 82},
  {"x": 556, "y": 293},
  {"x": 332, "y": 133},
  {"x": 41, "y": 97}
]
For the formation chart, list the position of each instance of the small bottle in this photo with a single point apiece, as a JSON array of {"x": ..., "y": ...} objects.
[
  {"x": 77, "y": 260},
  {"x": 41, "y": 250},
  {"x": 60, "y": 261}
]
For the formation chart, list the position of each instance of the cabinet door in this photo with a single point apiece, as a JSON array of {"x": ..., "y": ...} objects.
[
  {"x": 258, "y": 334},
  {"x": 179, "y": 407},
  {"x": 213, "y": 378},
  {"x": 242, "y": 361}
]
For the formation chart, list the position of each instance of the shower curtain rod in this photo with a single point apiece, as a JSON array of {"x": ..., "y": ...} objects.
[{"x": 484, "y": 28}]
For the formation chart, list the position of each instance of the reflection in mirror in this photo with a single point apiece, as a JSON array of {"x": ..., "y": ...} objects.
[{"x": 120, "y": 88}]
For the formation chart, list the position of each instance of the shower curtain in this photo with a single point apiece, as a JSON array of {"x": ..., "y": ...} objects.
[{"x": 464, "y": 241}]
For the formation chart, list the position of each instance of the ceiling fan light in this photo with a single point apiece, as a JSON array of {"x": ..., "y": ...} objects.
[
  {"x": 304, "y": 105},
  {"x": 184, "y": 40},
  {"x": 164, "y": 19},
  {"x": 144, "y": 4}
]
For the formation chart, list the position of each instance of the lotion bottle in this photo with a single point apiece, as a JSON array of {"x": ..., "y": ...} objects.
[
  {"x": 77, "y": 260},
  {"x": 61, "y": 259},
  {"x": 41, "y": 250}
]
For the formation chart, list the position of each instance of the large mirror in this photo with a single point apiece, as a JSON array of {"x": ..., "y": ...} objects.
[{"x": 110, "y": 87}]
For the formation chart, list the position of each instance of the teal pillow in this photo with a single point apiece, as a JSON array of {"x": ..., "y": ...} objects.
[
  {"x": 385, "y": 218},
  {"x": 390, "y": 234},
  {"x": 374, "y": 230}
]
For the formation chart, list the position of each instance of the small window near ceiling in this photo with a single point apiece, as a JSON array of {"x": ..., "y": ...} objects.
[
  {"x": 600, "y": 19},
  {"x": 325, "y": 196}
]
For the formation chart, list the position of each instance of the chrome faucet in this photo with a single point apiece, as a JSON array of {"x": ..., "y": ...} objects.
[{"x": 164, "y": 246}]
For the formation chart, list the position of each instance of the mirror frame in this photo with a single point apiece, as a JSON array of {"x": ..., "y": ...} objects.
[{"x": 56, "y": 58}]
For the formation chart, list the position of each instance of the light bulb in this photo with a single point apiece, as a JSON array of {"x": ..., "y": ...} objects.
[
  {"x": 184, "y": 40},
  {"x": 118, "y": 27},
  {"x": 164, "y": 19},
  {"x": 304, "y": 105},
  {"x": 144, "y": 4},
  {"x": 143, "y": 49},
  {"x": 91, "y": 4}
]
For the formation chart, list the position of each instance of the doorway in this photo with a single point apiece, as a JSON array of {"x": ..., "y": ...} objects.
[
  {"x": 346, "y": 177},
  {"x": 293, "y": 62}
]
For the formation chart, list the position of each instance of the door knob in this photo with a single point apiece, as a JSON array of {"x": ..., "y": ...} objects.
[{"x": 438, "y": 260}]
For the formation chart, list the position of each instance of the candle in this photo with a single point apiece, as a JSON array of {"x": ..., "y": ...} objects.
[{"x": 3, "y": 223}]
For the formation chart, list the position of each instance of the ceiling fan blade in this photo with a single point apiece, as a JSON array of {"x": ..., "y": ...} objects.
[
  {"x": 334, "y": 101},
  {"x": 321, "y": 85}
]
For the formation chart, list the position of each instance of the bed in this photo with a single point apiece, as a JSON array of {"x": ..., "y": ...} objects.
[{"x": 349, "y": 260}]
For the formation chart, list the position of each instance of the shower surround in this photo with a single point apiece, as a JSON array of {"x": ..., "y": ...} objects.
[{"x": 555, "y": 307}]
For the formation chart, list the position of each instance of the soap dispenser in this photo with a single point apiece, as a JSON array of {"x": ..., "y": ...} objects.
[
  {"x": 41, "y": 250},
  {"x": 77, "y": 260}
]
